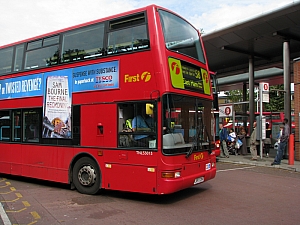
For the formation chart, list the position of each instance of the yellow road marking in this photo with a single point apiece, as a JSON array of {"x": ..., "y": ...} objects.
[
  {"x": 7, "y": 184},
  {"x": 19, "y": 195},
  {"x": 25, "y": 203},
  {"x": 35, "y": 215},
  {"x": 12, "y": 189},
  {"x": 15, "y": 211},
  {"x": 16, "y": 199}
]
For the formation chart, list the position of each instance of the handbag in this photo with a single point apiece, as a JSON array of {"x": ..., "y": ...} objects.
[{"x": 240, "y": 142}]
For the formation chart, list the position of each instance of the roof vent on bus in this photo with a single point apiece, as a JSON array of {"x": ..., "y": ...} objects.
[{"x": 128, "y": 21}]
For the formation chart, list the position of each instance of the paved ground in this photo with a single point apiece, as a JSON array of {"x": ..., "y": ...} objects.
[{"x": 264, "y": 161}]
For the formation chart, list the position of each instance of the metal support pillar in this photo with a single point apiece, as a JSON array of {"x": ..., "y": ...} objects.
[
  {"x": 287, "y": 85},
  {"x": 251, "y": 92},
  {"x": 244, "y": 105}
]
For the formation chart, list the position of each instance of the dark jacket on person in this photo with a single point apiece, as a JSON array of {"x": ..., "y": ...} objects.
[{"x": 223, "y": 134}]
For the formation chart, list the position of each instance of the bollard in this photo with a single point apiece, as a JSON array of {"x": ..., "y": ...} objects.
[{"x": 291, "y": 149}]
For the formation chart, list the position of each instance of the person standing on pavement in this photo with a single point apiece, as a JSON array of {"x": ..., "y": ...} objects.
[
  {"x": 223, "y": 134},
  {"x": 283, "y": 142},
  {"x": 253, "y": 143},
  {"x": 267, "y": 141},
  {"x": 242, "y": 136}
]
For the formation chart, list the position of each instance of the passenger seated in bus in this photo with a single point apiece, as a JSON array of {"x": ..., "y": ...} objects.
[{"x": 142, "y": 122}]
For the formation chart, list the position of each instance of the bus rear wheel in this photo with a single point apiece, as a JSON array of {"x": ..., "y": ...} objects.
[{"x": 86, "y": 176}]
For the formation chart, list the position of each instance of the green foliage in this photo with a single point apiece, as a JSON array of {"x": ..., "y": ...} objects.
[
  {"x": 236, "y": 96},
  {"x": 276, "y": 99},
  {"x": 276, "y": 103}
]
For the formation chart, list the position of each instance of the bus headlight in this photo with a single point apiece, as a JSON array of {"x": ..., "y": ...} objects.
[
  {"x": 217, "y": 144},
  {"x": 170, "y": 174}
]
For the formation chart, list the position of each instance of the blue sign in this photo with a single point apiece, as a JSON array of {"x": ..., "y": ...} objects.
[
  {"x": 96, "y": 77},
  {"x": 20, "y": 87}
]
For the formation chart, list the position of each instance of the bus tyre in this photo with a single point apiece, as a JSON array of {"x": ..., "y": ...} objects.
[{"x": 86, "y": 176}]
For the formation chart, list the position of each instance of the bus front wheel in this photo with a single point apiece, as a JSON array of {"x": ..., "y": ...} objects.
[{"x": 86, "y": 176}]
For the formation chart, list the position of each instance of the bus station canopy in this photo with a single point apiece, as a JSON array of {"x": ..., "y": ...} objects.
[{"x": 228, "y": 50}]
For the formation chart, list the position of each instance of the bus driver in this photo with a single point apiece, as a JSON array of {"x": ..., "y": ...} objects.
[{"x": 143, "y": 122}]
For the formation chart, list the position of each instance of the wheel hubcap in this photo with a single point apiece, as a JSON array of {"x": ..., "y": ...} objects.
[{"x": 87, "y": 176}]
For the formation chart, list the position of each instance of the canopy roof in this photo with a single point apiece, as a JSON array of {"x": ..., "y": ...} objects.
[{"x": 228, "y": 50}]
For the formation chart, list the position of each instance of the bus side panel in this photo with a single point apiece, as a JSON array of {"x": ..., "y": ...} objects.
[
  {"x": 5, "y": 159},
  {"x": 130, "y": 170},
  {"x": 39, "y": 162},
  {"x": 23, "y": 103},
  {"x": 98, "y": 125},
  {"x": 36, "y": 161},
  {"x": 134, "y": 178}
]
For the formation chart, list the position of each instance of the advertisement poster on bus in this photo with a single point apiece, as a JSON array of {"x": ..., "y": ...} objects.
[
  {"x": 100, "y": 76},
  {"x": 57, "y": 104},
  {"x": 20, "y": 87}
]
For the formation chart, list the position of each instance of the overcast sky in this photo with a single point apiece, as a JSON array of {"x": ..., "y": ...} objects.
[{"x": 22, "y": 19}]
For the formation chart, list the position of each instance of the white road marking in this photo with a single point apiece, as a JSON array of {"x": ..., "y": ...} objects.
[
  {"x": 4, "y": 216},
  {"x": 241, "y": 168}
]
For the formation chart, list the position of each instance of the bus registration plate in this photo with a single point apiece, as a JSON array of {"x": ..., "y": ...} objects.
[{"x": 198, "y": 180}]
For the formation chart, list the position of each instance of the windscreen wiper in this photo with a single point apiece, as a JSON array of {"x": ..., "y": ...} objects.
[
  {"x": 182, "y": 44},
  {"x": 191, "y": 149},
  {"x": 194, "y": 143},
  {"x": 209, "y": 143}
]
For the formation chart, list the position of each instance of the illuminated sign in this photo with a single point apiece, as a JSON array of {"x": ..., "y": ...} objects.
[{"x": 186, "y": 76}]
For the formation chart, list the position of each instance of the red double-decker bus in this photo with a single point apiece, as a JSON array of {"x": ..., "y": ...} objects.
[{"x": 121, "y": 103}]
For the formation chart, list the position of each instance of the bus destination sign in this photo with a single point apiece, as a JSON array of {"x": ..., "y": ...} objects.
[{"x": 186, "y": 76}]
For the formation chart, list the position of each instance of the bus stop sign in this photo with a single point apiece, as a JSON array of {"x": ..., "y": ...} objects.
[
  {"x": 225, "y": 111},
  {"x": 265, "y": 91}
]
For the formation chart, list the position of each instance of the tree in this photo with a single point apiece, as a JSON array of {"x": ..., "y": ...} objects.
[
  {"x": 236, "y": 96},
  {"x": 276, "y": 103},
  {"x": 276, "y": 99}
]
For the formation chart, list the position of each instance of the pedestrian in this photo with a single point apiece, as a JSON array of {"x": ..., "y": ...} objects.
[
  {"x": 283, "y": 142},
  {"x": 253, "y": 143},
  {"x": 267, "y": 141},
  {"x": 278, "y": 137},
  {"x": 242, "y": 136},
  {"x": 223, "y": 134}
]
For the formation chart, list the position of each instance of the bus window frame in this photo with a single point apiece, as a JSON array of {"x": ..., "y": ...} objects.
[{"x": 125, "y": 130}]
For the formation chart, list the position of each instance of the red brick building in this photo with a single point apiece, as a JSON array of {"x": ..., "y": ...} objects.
[{"x": 297, "y": 106}]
